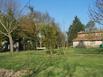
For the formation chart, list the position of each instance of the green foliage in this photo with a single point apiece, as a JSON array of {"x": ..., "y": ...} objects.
[
  {"x": 49, "y": 34},
  {"x": 52, "y": 36},
  {"x": 27, "y": 28},
  {"x": 76, "y": 27},
  {"x": 1, "y": 38},
  {"x": 40, "y": 29}
]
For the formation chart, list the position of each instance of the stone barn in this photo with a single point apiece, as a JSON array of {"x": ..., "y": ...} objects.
[{"x": 88, "y": 39}]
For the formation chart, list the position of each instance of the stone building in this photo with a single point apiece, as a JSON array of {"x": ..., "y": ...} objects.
[{"x": 88, "y": 39}]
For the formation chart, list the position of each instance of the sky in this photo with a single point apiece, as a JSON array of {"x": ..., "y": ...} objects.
[{"x": 63, "y": 11}]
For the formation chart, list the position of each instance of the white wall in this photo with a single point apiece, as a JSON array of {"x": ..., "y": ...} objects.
[
  {"x": 75, "y": 43},
  {"x": 88, "y": 43},
  {"x": 97, "y": 43}
]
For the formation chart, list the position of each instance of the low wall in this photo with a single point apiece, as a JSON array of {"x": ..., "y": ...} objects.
[{"x": 87, "y": 43}]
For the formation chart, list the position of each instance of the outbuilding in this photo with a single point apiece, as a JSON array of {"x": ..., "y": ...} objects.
[{"x": 88, "y": 39}]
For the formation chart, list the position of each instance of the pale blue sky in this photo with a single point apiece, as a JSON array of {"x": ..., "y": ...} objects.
[{"x": 63, "y": 11}]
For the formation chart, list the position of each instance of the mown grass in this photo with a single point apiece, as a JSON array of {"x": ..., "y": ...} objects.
[{"x": 75, "y": 62}]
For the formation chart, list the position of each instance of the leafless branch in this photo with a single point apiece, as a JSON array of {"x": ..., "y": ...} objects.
[
  {"x": 3, "y": 26},
  {"x": 96, "y": 13},
  {"x": 4, "y": 33}
]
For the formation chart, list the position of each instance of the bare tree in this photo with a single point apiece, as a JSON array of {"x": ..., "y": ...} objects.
[
  {"x": 8, "y": 21},
  {"x": 8, "y": 24},
  {"x": 96, "y": 12},
  {"x": 10, "y": 4}
]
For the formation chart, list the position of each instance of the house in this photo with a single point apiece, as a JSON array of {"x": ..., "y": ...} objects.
[{"x": 88, "y": 39}]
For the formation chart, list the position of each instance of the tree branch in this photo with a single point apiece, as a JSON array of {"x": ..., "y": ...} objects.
[
  {"x": 3, "y": 26},
  {"x": 3, "y": 33}
]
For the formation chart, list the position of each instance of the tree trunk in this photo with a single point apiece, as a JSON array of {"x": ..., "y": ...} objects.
[{"x": 11, "y": 43}]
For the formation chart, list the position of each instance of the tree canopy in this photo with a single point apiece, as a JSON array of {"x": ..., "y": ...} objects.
[
  {"x": 8, "y": 24},
  {"x": 76, "y": 27}
]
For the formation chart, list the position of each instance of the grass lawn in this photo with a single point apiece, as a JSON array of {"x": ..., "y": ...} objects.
[{"x": 73, "y": 63}]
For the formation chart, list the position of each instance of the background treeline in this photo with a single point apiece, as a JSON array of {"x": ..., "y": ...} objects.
[
  {"x": 36, "y": 29},
  {"x": 31, "y": 30}
]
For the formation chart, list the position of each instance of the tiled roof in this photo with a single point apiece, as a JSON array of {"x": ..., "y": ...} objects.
[
  {"x": 95, "y": 38},
  {"x": 89, "y": 37}
]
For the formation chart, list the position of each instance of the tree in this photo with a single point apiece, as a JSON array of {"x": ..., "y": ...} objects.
[
  {"x": 29, "y": 29},
  {"x": 30, "y": 25},
  {"x": 96, "y": 13},
  {"x": 8, "y": 19},
  {"x": 90, "y": 27},
  {"x": 76, "y": 27},
  {"x": 60, "y": 39},
  {"x": 49, "y": 34},
  {"x": 5, "y": 5},
  {"x": 52, "y": 37},
  {"x": 8, "y": 24},
  {"x": 1, "y": 37}
]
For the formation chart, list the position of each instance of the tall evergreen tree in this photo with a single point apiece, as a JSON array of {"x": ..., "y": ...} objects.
[{"x": 76, "y": 27}]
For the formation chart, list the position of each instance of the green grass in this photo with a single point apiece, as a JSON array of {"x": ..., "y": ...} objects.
[{"x": 74, "y": 62}]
